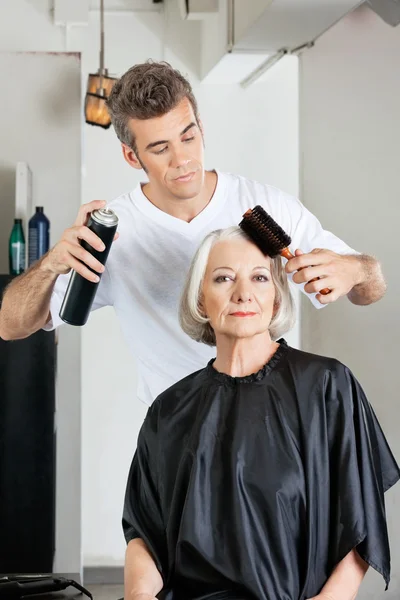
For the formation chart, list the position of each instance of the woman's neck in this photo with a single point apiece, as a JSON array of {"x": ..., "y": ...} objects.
[{"x": 243, "y": 356}]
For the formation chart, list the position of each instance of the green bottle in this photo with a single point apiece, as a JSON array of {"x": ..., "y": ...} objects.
[{"x": 16, "y": 248}]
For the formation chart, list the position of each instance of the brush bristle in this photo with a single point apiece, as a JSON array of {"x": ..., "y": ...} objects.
[{"x": 265, "y": 232}]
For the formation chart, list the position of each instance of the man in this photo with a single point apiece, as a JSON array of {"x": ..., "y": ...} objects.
[{"x": 161, "y": 223}]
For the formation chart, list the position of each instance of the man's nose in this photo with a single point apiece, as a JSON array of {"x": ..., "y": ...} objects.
[{"x": 179, "y": 158}]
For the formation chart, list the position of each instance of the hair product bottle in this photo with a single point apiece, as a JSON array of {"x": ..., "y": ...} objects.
[
  {"x": 16, "y": 249},
  {"x": 38, "y": 236}
]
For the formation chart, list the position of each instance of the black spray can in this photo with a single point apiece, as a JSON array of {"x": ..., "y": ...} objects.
[{"x": 80, "y": 293}]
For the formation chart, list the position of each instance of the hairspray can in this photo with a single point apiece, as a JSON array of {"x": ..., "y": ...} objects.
[{"x": 80, "y": 293}]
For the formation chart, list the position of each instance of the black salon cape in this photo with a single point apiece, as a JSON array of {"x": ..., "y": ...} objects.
[{"x": 256, "y": 487}]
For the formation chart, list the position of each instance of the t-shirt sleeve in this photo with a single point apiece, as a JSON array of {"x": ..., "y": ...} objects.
[
  {"x": 362, "y": 468},
  {"x": 103, "y": 298},
  {"x": 307, "y": 233},
  {"x": 142, "y": 516}
]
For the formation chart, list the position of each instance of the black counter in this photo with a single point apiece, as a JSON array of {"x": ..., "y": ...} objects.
[{"x": 27, "y": 452}]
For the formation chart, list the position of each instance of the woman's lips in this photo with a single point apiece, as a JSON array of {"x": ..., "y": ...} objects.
[{"x": 243, "y": 314}]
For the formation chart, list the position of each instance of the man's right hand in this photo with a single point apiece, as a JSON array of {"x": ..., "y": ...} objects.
[{"x": 68, "y": 254}]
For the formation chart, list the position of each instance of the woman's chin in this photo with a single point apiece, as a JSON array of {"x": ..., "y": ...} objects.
[{"x": 244, "y": 330}]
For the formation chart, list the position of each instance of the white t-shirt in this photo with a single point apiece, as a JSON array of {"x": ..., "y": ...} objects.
[{"x": 147, "y": 266}]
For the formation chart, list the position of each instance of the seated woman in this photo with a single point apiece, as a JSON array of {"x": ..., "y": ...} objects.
[{"x": 262, "y": 475}]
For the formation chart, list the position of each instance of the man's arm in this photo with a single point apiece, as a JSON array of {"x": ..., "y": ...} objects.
[
  {"x": 345, "y": 580},
  {"x": 372, "y": 285},
  {"x": 142, "y": 578},
  {"x": 357, "y": 276},
  {"x": 26, "y": 302},
  {"x": 341, "y": 269}
]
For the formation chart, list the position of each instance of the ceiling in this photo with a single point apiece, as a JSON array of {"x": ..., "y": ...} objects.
[{"x": 134, "y": 5}]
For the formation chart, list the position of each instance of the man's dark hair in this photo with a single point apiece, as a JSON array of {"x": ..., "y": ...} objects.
[{"x": 145, "y": 91}]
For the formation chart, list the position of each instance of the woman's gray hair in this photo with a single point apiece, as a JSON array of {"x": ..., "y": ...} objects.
[{"x": 191, "y": 317}]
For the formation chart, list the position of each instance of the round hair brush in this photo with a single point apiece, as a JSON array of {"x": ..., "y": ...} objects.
[{"x": 269, "y": 236}]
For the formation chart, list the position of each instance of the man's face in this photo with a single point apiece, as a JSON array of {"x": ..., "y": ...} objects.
[{"x": 170, "y": 149}]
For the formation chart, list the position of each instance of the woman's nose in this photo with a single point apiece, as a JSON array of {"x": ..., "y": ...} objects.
[{"x": 241, "y": 295}]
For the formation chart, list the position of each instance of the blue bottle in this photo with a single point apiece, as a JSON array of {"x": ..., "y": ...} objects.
[{"x": 38, "y": 236}]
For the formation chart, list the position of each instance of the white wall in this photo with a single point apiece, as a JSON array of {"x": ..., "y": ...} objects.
[
  {"x": 251, "y": 132},
  {"x": 350, "y": 152}
]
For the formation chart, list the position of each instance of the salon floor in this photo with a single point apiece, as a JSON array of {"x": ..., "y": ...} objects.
[{"x": 106, "y": 592}]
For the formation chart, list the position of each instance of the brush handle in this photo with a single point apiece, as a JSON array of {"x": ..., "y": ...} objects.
[{"x": 288, "y": 255}]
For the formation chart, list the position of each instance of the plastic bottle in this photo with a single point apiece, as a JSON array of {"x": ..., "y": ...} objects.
[
  {"x": 16, "y": 249},
  {"x": 39, "y": 235}
]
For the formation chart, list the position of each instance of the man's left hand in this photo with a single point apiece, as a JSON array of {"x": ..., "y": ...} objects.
[{"x": 334, "y": 271}]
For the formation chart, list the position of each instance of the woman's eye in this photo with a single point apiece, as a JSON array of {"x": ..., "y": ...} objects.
[
  {"x": 222, "y": 278},
  {"x": 261, "y": 278}
]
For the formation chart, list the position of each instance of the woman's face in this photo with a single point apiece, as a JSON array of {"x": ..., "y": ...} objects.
[{"x": 238, "y": 292}]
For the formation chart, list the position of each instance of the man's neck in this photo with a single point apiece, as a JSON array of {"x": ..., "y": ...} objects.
[{"x": 186, "y": 210}]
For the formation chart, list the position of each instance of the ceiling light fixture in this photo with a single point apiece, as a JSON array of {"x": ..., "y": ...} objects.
[{"x": 99, "y": 87}]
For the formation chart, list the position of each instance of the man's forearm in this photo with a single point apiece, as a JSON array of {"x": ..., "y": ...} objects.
[
  {"x": 26, "y": 303},
  {"x": 346, "y": 579},
  {"x": 142, "y": 578},
  {"x": 372, "y": 285}
]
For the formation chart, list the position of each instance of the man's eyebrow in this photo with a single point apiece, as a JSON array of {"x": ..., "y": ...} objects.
[
  {"x": 154, "y": 144},
  {"x": 188, "y": 127},
  {"x": 160, "y": 142}
]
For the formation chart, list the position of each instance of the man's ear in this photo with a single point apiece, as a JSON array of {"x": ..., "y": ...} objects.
[
  {"x": 130, "y": 157},
  {"x": 200, "y": 124}
]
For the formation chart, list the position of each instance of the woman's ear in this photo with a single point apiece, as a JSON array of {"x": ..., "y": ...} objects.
[
  {"x": 201, "y": 307},
  {"x": 276, "y": 307},
  {"x": 202, "y": 311}
]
